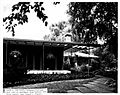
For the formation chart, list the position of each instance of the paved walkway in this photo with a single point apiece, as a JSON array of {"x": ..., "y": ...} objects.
[{"x": 92, "y": 85}]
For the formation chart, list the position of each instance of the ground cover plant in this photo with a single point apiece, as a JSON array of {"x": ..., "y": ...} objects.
[{"x": 40, "y": 78}]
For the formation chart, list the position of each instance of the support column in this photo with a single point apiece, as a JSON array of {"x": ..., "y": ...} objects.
[
  {"x": 6, "y": 57},
  {"x": 62, "y": 59},
  {"x": 6, "y": 53},
  {"x": 33, "y": 62},
  {"x": 26, "y": 57},
  {"x": 40, "y": 62},
  {"x": 56, "y": 63},
  {"x": 43, "y": 56}
]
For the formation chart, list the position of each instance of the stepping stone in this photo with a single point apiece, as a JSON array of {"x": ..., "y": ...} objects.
[
  {"x": 102, "y": 86},
  {"x": 101, "y": 81},
  {"x": 85, "y": 90},
  {"x": 96, "y": 88},
  {"x": 73, "y": 91}
]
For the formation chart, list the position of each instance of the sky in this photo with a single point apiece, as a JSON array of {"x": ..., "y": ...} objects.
[{"x": 35, "y": 28}]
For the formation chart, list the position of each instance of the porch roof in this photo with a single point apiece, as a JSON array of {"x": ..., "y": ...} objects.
[{"x": 65, "y": 45}]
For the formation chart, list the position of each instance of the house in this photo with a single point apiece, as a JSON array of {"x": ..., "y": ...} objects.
[{"x": 37, "y": 54}]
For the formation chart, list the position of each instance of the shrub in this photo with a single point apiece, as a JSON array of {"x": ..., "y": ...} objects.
[
  {"x": 79, "y": 69},
  {"x": 15, "y": 70}
]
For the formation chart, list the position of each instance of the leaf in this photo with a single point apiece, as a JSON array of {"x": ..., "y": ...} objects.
[
  {"x": 55, "y": 3},
  {"x": 46, "y": 23},
  {"x": 44, "y": 18},
  {"x": 15, "y": 7},
  {"x": 25, "y": 18},
  {"x": 39, "y": 14},
  {"x": 42, "y": 9},
  {"x": 40, "y": 3},
  {"x": 4, "y": 19}
]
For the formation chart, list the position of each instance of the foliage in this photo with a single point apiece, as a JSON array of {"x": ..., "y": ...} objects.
[
  {"x": 106, "y": 57},
  {"x": 108, "y": 65},
  {"x": 66, "y": 65},
  {"x": 55, "y": 3},
  {"x": 95, "y": 64},
  {"x": 40, "y": 78},
  {"x": 58, "y": 31},
  {"x": 16, "y": 68},
  {"x": 92, "y": 19},
  {"x": 19, "y": 15}
]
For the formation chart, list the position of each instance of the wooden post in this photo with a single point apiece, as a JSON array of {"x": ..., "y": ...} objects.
[
  {"x": 43, "y": 56},
  {"x": 34, "y": 57},
  {"x": 26, "y": 60},
  {"x": 40, "y": 62},
  {"x": 62, "y": 58},
  {"x": 33, "y": 62},
  {"x": 6, "y": 53},
  {"x": 56, "y": 63}
]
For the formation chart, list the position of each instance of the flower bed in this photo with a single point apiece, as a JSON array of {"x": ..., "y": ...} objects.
[{"x": 39, "y": 78}]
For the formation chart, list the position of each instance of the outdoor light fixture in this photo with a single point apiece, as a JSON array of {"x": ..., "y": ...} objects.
[
  {"x": 50, "y": 56},
  {"x": 65, "y": 44},
  {"x": 15, "y": 56},
  {"x": 15, "y": 53},
  {"x": 58, "y": 44}
]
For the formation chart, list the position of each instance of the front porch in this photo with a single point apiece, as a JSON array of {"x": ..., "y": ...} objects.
[{"x": 37, "y": 54}]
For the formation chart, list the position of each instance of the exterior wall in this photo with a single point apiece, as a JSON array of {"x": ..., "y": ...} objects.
[{"x": 33, "y": 57}]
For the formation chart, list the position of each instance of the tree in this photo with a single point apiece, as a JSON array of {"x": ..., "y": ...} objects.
[
  {"x": 92, "y": 19},
  {"x": 58, "y": 31},
  {"x": 106, "y": 57},
  {"x": 19, "y": 15}
]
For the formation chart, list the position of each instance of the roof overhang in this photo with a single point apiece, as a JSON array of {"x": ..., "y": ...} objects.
[{"x": 65, "y": 45}]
